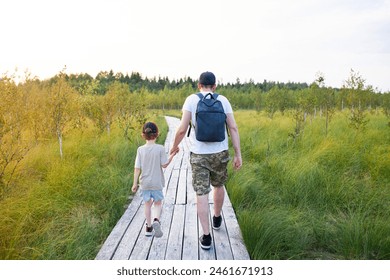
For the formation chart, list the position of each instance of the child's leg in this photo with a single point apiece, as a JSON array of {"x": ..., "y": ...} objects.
[
  {"x": 147, "y": 208},
  {"x": 156, "y": 218},
  {"x": 157, "y": 205}
]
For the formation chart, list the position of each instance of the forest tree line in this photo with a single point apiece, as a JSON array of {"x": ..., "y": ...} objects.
[
  {"x": 269, "y": 95},
  {"x": 34, "y": 111}
]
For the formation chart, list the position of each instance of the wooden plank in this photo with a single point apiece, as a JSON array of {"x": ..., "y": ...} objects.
[
  {"x": 206, "y": 254},
  {"x": 236, "y": 242},
  {"x": 179, "y": 221},
  {"x": 175, "y": 240},
  {"x": 186, "y": 158},
  {"x": 167, "y": 171},
  {"x": 191, "y": 195},
  {"x": 178, "y": 159},
  {"x": 110, "y": 245},
  {"x": 191, "y": 233},
  {"x": 167, "y": 178},
  {"x": 159, "y": 245},
  {"x": 170, "y": 195},
  {"x": 141, "y": 248},
  {"x": 221, "y": 241},
  {"x": 131, "y": 236},
  {"x": 181, "y": 194}
]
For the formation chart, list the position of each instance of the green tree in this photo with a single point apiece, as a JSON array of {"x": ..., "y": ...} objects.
[
  {"x": 325, "y": 99},
  {"x": 271, "y": 101},
  {"x": 357, "y": 94},
  {"x": 131, "y": 109},
  {"x": 14, "y": 144}
]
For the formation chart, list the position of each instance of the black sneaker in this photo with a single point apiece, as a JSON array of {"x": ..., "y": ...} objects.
[
  {"x": 217, "y": 221},
  {"x": 205, "y": 241}
]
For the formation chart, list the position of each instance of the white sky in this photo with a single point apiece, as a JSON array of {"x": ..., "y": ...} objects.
[{"x": 276, "y": 40}]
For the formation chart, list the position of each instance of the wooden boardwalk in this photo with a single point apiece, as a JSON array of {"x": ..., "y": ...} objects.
[{"x": 178, "y": 220}]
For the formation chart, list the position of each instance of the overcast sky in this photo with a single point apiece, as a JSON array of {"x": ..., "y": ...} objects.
[{"x": 274, "y": 40}]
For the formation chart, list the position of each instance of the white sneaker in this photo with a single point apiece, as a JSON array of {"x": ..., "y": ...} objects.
[{"x": 157, "y": 229}]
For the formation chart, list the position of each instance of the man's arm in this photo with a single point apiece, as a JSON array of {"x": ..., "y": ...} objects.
[
  {"x": 233, "y": 128},
  {"x": 181, "y": 131}
]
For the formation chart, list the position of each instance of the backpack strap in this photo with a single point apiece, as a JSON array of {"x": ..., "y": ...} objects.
[
  {"x": 212, "y": 95},
  {"x": 200, "y": 95}
]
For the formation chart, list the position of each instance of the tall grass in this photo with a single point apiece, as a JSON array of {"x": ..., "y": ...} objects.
[
  {"x": 316, "y": 197},
  {"x": 65, "y": 209}
]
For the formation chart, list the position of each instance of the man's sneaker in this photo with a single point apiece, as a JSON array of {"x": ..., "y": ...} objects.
[
  {"x": 205, "y": 241},
  {"x": 148, "y": 230},
  {"x": 157, "y": 229},
  {"x": 217, "y": 222}
]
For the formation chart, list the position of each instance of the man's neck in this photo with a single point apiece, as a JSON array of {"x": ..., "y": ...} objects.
[{"x": 206, "y": 90}]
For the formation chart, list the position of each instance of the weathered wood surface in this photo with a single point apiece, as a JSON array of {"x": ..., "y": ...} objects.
[{"x": 179, "y": 221}]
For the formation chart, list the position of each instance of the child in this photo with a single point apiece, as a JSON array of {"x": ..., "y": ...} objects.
[{"x": 150, "y": 159}]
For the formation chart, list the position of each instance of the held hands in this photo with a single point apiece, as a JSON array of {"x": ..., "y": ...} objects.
[
  {"x": 171, "y": 155},
  {"x": 174, "y": 151}
]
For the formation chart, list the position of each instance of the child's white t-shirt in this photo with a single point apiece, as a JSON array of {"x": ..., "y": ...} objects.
[{"x": 149, "y": 159}]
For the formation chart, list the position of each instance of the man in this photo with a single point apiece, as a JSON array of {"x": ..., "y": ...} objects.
[{"x": 209, "y": 159}]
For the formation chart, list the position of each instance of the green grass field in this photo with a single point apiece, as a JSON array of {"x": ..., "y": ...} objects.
[
  {"x": 64, "y": 209},
  {"x": 315, "y": 197}
]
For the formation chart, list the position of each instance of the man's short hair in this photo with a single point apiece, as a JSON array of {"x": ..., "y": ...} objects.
[{"x": 207, "y": 79}]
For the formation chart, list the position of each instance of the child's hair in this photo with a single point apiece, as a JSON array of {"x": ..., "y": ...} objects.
[{"x": 150, "y": 131}]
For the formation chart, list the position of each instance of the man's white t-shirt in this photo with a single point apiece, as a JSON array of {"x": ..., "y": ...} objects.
[
  {"x": 149, "y": 159},
  {"x": 198, "y": 147}
]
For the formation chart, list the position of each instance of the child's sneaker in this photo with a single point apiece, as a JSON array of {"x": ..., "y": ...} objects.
[
  {"x": 157, "y": 229},
  {"x": 205, "y": 241},
  {"x": 148, "y": 230}
]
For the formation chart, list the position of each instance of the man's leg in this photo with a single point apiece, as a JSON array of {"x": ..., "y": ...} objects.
[
  {"x": 203, "y": 212},
  {"x": 219, "y": 196}
]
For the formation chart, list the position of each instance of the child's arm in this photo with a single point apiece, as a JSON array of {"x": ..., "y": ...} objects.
[
  {"x": 137, "y": 172},
  {"x": 169, "y": 161}
]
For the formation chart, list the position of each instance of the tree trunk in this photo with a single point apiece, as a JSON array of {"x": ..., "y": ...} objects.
[
  {"x": 59, "y": 135},
  {"x": 108, "y": 127}
]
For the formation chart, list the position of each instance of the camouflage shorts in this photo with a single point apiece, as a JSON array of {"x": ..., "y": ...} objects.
[{"x": 209, "y": 169}]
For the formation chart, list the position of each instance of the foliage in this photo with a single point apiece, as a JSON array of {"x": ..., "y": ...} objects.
[
  {"x": 358, "y": 95},
  {"x": 14, "y": 137}
]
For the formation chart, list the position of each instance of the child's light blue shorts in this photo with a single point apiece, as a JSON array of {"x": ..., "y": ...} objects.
[{"x": 156, "y": 195}]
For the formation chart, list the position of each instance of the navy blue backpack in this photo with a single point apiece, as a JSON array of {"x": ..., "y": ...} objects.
[{"x": 210, "y": 119}]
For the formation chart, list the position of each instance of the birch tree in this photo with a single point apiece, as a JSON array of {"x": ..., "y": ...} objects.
[
  {"x": 61, "y": 106},
  {"x": 357, "y": 93}
]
